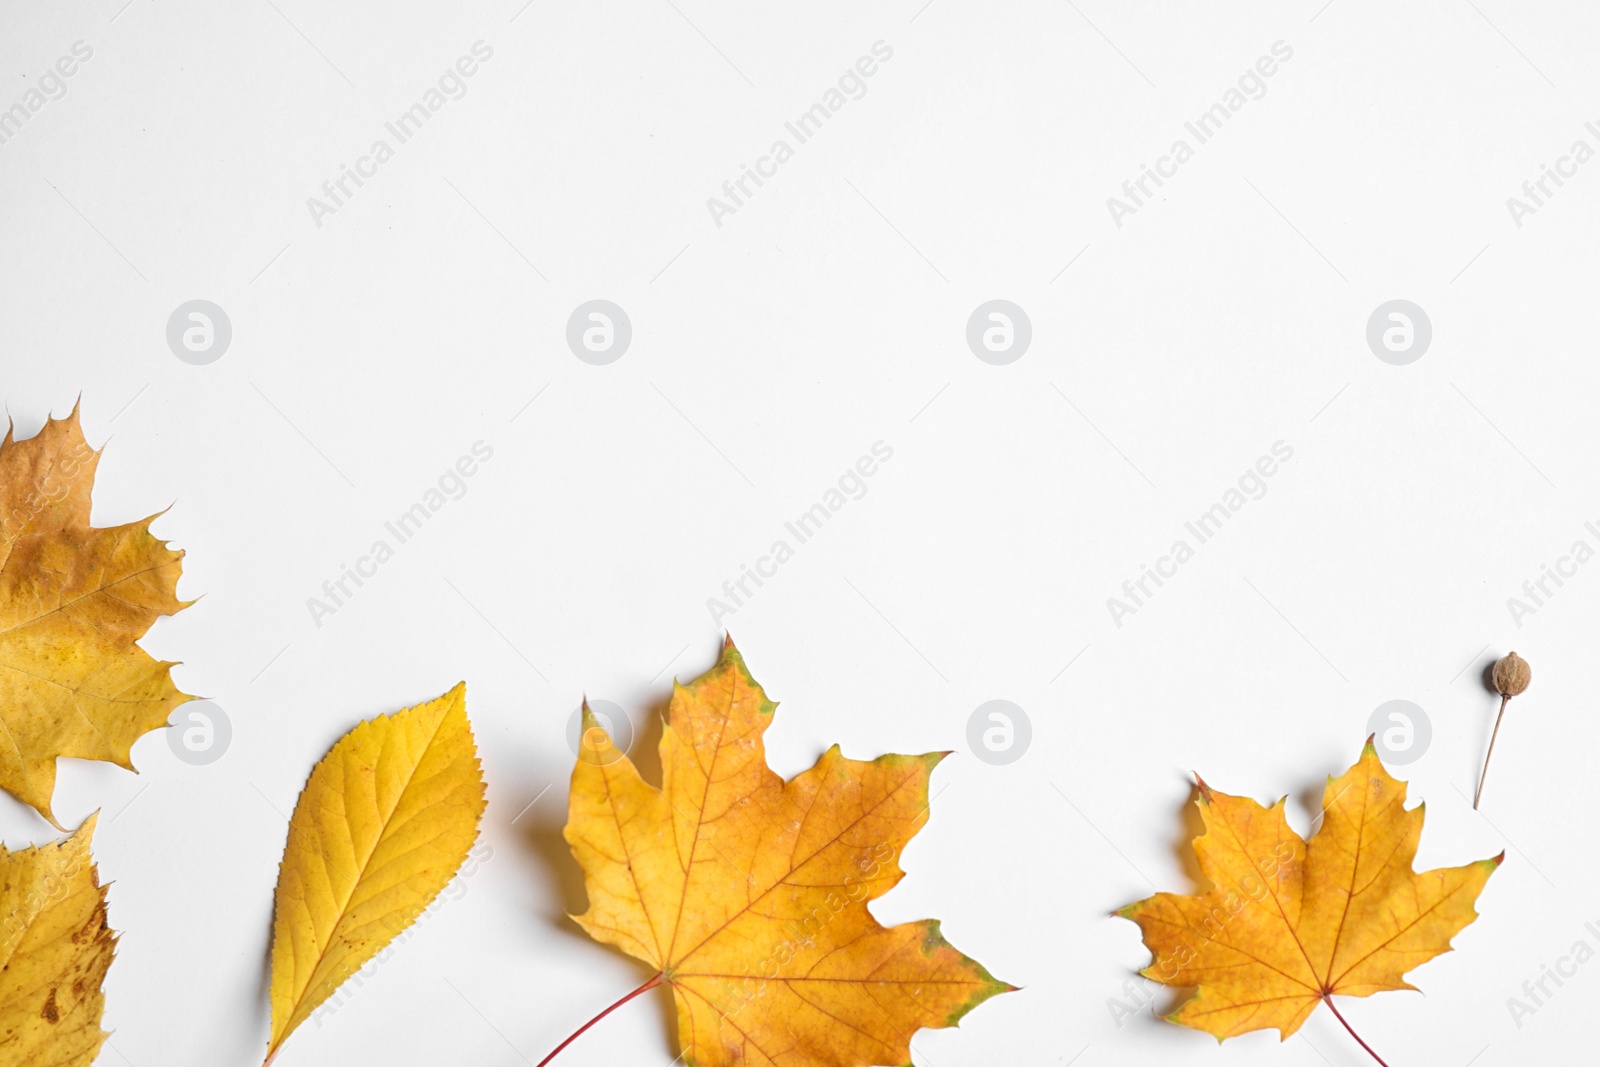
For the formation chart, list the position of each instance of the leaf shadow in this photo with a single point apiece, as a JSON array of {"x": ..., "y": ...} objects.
[
  {"x": 1311, "y": 798},
  {"x": 542, "y": 835},
  {"x": 263, "y": 993},
  {"x": 1154, "y": 999},
  {"x": 1192, "y": 826}
]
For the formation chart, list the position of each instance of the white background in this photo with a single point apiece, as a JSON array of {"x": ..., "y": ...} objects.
[{"x": 828, "y": 313}]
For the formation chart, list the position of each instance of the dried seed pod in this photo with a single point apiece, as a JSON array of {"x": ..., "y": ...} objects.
[{"x": 1511, "y": 675}]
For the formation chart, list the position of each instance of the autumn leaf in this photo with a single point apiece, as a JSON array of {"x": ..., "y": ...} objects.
[
  {"x": 1289, "y": 924},
  {"x": 74, "y": 599},
  {"x": 382, "y": 826},
  {"x": 56, "y": 947},
  {"x": 748, "y": 894}
]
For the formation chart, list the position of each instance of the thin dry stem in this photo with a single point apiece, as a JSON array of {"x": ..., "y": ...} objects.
[
  {"x": 651, "y": 984},
  {"x": 1328, "y": 999},
  {"x": 1504, "y": 700}
]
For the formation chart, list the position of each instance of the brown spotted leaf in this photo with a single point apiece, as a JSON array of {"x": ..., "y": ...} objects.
[{"x": 55, "y": 948}]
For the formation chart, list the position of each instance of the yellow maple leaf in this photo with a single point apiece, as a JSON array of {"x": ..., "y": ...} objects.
[
  {"x": 1289, "y": 924},
  {"x": 748, "y": 894},
  {"x": 56, "y": 948},
  {"x": 383, "y": 824},
  {"x": 74, "y": 599}
]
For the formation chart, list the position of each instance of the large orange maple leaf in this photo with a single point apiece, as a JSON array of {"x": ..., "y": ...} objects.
[{"x": 748, "y": 894}]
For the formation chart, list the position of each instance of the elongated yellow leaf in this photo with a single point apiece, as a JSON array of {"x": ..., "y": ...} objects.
[
  {"x": 55, "y": 947},
  {"x": 382, "y": 826}
]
